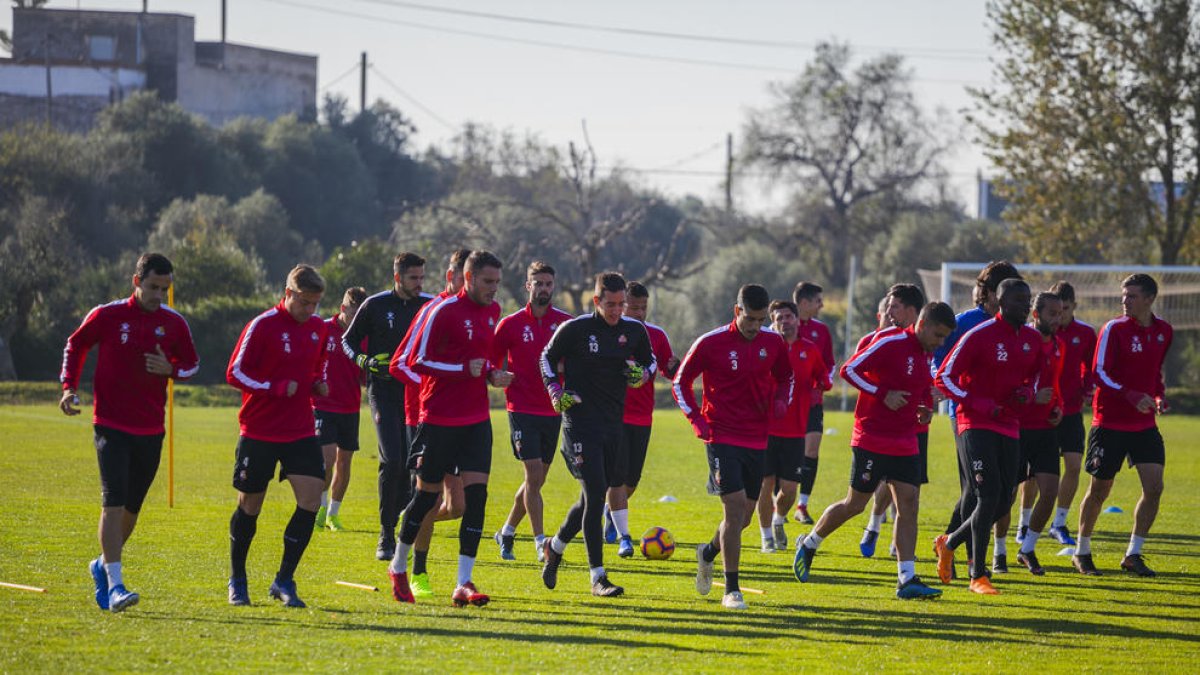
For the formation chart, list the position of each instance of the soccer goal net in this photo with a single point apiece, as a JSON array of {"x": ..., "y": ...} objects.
[{"x": 1097, "y": 288}]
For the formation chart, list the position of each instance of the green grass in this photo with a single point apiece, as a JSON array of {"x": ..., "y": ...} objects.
[{"x": 845, "y": 619}]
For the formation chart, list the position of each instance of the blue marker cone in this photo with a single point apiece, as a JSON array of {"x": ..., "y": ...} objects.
[{"x": 1113, "y": 509}]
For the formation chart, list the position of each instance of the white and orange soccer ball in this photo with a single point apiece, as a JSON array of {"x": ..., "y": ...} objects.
[{"x": 657, "y": 543}]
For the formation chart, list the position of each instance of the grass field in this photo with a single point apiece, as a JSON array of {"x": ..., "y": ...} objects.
[{"x": 845, "y": 619}]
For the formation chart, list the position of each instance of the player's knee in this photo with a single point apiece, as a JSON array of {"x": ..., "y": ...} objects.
[
  {"x": 1153, "y": 489},
  {"x": 475, "y": 498}
]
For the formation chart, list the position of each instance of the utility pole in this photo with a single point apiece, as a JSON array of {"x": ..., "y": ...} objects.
[
  {"x": 729, "y": 173},
  {"x": 362, "y": 84},
  {"x": 223, "y": 24}
]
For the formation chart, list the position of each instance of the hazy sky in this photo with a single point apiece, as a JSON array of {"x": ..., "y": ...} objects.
[{"x": 654, "y": 103}]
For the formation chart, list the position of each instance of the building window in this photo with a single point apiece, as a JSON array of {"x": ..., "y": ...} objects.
[{"x": 102, "y": 48}]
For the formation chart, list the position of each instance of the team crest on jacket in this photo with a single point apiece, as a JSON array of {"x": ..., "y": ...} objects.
[
  {"x": 315, "y": 337},
  {"x": 1075, "y": 340},
  {"x": 1160, "y": 338},
  {"x": 491, "y": 322},
  {"x": 621, "y": 339},
  {"x": 1025, "y": 347},
  {"x": 762, "y": 353},
  {"x": 287, "y": 342},
  {"x": 160, "y": 331}
]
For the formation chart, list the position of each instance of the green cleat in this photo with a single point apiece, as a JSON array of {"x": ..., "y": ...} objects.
[
  {"x": 320, "y": 524},
  {"x": 334, "y": 523},
  {"x": 420, "y": 586}
]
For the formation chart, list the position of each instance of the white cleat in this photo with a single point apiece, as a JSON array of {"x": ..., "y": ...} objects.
[
  {"x": 704, "y": 572},
  {"x": 733, "y": 600}
]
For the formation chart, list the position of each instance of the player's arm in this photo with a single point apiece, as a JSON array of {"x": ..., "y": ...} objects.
[
  {"x": 1160, "y": 389},
  {"x": 667, "y": 363},
  {"x": 1086, "y": 359},
  {"x": 356, "y": 333},
  {"x": 1106, "y": 365},
  {"x": 185, "y": 362},
  {"x": 398, "y": 367},
  {"x": 74, "y": 356},
  {"x": 689, "y": 369},
  {"x": 427, "y": 356},
  {"x": 552, "y": 354},
  {"x": 819, "y": 367},
  {"x": 320, "y": 376},
  {"x": 785, "y": 380},
  {"x": 246, "y": 354},
  {"x": 644, "y": 363},
  {"x": 948, "y": 379}
]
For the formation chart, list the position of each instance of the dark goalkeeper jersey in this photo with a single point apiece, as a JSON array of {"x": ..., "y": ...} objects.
[{"x": 382, "y": 321}]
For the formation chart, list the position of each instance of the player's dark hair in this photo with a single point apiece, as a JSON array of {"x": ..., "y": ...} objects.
[
  {"x": 939, "y": 313},
  {"x": 153, "y": 263},
  {"x": 990, "y": 277},
  {"x": 539, "y": 267},
  {"x": 1011, "y": 283},
  {"x": 481, "y": 259},
  {"x": 777, "y": 305},
  {"x": 305, "y": 279},
  {"x": 458, "y": 259},
  {"x": 1144, "y": 281},
  {"x": 753, "y": 297},
  {"x": 806, "y": 290},
  {"x": 637, "y": 290},
  {"x": 612, "y": 282},
  {"x": 405, "y": 260},
  {"x": 355, "y": 295},
  {"x": 1040, "y": 300},
  {"x": 1064, "y": 290},
  {"x": 909, "y": 295}
]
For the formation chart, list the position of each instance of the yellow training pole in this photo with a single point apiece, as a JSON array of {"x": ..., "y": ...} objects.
[{"x": 171, "y": 422}]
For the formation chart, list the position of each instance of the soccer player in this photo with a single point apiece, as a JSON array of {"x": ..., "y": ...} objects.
[
  {"x": 1039, "y": 442},
  {"x": 785, "y": 436},
  {"x": 986, "y": 306},
  {"x": 1129, "y": 393},
  {"x": 382, "y": 321},
  {"x": 807, "y": 297},
  {"x": 637, "y": 421},
  {"x": 904, "y": 305},
  {"x": 451, "y": 355},
  {"x": 337, "y": 413},
  {"x": 1076, "y": 386},
  {"x": 893, "y": 378},
  {"x": 601, "y": 353},
  {"x": 450, "y": 503},
  {"x": 747, "y": 380},
  {"x": 142, "y": 343},
  {"x": 990, "y": 374},
  {"x": 278, "y": 364},
  {"x": 532, "y": 419}
]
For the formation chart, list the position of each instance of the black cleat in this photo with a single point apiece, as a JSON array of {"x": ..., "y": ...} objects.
[
  {"x": 1000, "y": 563},
  {"x": 603, "y": 588},
  {"x": 1136, "y": 564},
  {"x": 1030, "y": 561},
  {"x": 550, "y": 567},
  {"x": 1083, "y": 563},
  {"x": 386, "y": 549}
]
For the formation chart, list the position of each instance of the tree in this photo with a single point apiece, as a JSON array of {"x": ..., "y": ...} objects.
[
  {"x": 841, "y": 138},
  {"x": 1095, "y": 128}
]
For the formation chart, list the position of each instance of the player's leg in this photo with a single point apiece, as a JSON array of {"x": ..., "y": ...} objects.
[
  {"x": 617, "y": 498},
  {"x": 906, "y": 497},
  {"x": 431, "y": 461},
  {"x": 981, "y": 450},
  {"x": 303, "y": 465},
  {"x": 253, "y": 470},
  {"x": 1106, "y": 451},
  {"x": 785, "y": 458},
  {"x": 474, "y": 462},
  {"x": 636, "y": 443},
  {"x": 1071, "y": 438},
  {"x": 114, "y": 456},
  {"x": 870, "y": 537},
  {"x": 864, "y": 478},
  {"x": 812, "y": 451},
  {"x": 783, "y": 500},
  {"x": 343, "y": 458},
  {"x": 1148, "y": 459},
  {"x": 765, "y": 508},
  {"x": 386, "y": 400},
  {"x": 329, "y": 456},
  {"x": 522, "y": 436}
]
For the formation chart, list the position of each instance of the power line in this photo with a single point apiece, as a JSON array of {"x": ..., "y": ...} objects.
[
  {"x": 409, "y": 97},
  {"x": 341, "y": 77},
  {"x": 692, "y": 157},
  {"x": 914, "y": 52}
]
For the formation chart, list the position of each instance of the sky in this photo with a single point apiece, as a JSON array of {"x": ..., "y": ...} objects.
[{"x": 659, "y": 82}]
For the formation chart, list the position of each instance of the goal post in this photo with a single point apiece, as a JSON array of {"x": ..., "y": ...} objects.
[{"x": 1097, "y": 288}]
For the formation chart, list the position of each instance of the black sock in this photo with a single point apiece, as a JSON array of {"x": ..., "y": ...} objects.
[
  {"x": 471, "y": 529},
  {"x": 808, "y": 475},
  {"x": 242, "y": 527},
  {"x": 295, "y": 539},
  {"x": 731, "y": 582},
  {"x": 710, "y": 551},
  {"x": 419, "y": 561},
  {"x": 420, "y": 505}
]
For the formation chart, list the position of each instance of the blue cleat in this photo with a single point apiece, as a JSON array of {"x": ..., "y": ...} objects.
[
  {"x": 625, "y": 550},
  {"x": 119, "y": 598},
  {"x": 239, "y": 594},
  {"x": 802, "y": 562},
  {"x": 867, "y": 545},
  {"x": 915, "y": 589},
  {"x": 505, "y": 542},
  {"x": 286, "y": 592},
  {"x": 1062, "y": 535},
  {"x": 610, "y": 529},
  {"x": 100, "y": 577}
]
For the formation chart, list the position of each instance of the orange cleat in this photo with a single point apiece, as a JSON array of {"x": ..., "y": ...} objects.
[
  {"x": 400, "y": 590},
  {"x": 983, "y": 586},
  {"x": 945, "y": 558},
  {"x": 467, "y": 594}
]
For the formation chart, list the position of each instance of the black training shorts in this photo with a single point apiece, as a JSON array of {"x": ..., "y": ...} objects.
[
  {"x": 340, "y": 429},
  {"x": 1070, "y": 434},
  {"x": 128, "y": 463},
  {"x": 733, "y": 468},
  {"x": 439, "y": 450},
  {"x": 816, "y": 419},
  {"x": 1107, "y": 448},
  {"x": 1039, "y": 453},
  {"x": 635, "y": 442},
  {"x": 586, "y": 448},
  {"x": 783, "y": 457},
  {"x": 868, "y": 469},
  {"x": 534, "y": 436},
  {"x": 256, "y": 462}
]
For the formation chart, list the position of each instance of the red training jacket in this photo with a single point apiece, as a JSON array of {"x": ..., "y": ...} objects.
[
  {"x": 1079, "y": 341},
  {"x": 343, "y": 376},
  {"x": 987, "y": 366},
  {"x": 742, "y": 380},
  {"x": 1128, "y": 362},
  {"x": 456, "y": 332},
  {"x": 520, "y": 338},
  {"x": 639, "y": 402},
  {"x": 272, "y": 350},
  {"x": 808, "y": 371},
  {"x": 1034, "y": 416},
  {"x": 399, "y": 368},
  {"x": 815, "y": 331},
  {"x": 128, "y": 398},
  {"x": 892, "y": 362}
]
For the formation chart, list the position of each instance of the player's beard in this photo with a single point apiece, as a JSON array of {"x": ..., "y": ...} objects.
[{"x": 542, "y": 299}]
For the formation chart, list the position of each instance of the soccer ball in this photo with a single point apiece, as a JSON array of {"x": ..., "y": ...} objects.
[{"x": 657, "y": 543}]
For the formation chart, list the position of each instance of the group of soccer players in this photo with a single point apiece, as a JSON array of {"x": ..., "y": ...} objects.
[{"x": 1016, "y": 395}]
